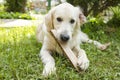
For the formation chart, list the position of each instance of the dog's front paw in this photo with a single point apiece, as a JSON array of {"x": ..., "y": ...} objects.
[
  {"x": 49, "y": 69},
  {"x": 83, "y": 62}
]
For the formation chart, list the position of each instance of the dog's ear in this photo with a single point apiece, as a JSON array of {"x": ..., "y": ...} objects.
[
  {"x": 81, "y": 16},
  {"x": 49, "y": 19}
]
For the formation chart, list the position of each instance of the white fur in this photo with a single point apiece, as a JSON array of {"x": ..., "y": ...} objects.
[{"x": 67, "y": 12}]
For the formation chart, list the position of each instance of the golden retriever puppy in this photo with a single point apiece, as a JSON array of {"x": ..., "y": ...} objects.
[{"x": 66, "y": 20}]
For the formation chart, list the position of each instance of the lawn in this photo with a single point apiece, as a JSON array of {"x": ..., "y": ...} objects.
[{"x": 19, "y": 57}]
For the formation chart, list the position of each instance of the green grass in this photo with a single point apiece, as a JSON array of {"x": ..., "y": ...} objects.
[
  {"x": 15, "y": 15},
  {"x": 19, "y": 57}
]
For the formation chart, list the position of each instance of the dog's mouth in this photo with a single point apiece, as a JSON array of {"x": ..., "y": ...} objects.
[
  {"x": 61, "y": 37},
  {"x": 64, "y": 38}
]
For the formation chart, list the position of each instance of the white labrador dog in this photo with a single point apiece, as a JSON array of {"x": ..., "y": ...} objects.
[{"x": 66, "y": 20}]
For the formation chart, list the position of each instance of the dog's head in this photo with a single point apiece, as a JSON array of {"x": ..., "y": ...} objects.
[{"x": 66, "y": 20}]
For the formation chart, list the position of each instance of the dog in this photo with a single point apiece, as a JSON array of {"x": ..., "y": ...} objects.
[{"x": 66, "y": 20}]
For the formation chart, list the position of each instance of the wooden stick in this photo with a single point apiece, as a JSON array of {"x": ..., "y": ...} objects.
[{"x": 67, "y": 51}]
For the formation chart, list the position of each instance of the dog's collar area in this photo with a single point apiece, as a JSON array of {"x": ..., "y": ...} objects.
[{"x": 68, "y": 52}]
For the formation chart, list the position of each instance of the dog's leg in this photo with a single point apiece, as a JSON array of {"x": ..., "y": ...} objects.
[
  {"x": 98, "y": 44},
  {"x": 48, "y": 60},
  {"x": 84, "y": 38},
  {"x": 83, "y": 61}
]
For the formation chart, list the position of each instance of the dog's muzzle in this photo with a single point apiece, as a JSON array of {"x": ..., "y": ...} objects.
[{"x": 64, "y": 37}]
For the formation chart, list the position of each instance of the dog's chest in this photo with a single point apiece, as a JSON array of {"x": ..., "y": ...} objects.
[{"x": 58, "y": 49}]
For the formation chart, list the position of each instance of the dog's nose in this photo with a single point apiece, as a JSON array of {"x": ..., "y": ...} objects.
[{"x": 64, "y": 37}]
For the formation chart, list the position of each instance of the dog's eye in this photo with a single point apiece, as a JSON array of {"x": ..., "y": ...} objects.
[
  {"x": 72, "y": 21},
  {"x": 59, "y": 19}
]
